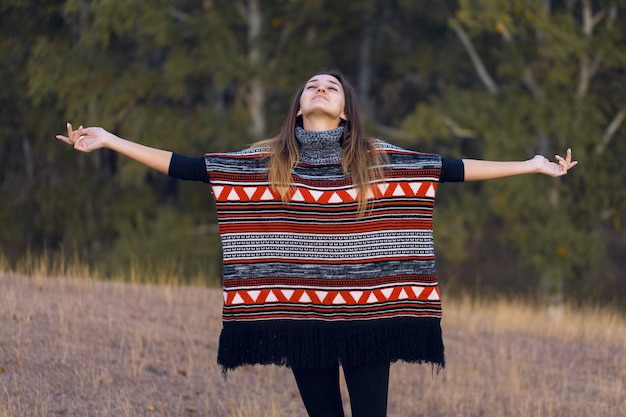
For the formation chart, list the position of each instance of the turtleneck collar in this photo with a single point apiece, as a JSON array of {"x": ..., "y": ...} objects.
[{"x": 320, "y": 148}]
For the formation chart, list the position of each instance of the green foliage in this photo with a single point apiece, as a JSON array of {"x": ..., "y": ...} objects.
[
  {"x": 167, "y": 245},
  {"x": 539, "y": 58},
  {"x": 181, "y": 75}
]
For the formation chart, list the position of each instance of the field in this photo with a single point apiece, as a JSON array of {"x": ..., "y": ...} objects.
[{"x": 83, "y": 347}]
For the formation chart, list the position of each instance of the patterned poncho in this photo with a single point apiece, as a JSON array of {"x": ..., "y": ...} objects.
[{"x": 308, "y": 283}]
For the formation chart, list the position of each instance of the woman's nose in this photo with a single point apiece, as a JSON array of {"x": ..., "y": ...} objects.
[{"x": 320, "y": 88}]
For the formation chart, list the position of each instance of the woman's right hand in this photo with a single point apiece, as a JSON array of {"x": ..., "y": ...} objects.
[{"x": 86, "y": 139}]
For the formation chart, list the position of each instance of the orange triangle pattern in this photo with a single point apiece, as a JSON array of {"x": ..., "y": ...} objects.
[
  {"x": 330, "y": 297},
  {"x": 226, "y": 193}
]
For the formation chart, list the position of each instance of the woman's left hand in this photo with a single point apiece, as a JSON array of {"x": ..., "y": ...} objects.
[{"x": 554, "y": 169}]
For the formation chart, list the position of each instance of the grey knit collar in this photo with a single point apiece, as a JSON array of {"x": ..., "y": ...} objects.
[{"x": 320, "y": 148}]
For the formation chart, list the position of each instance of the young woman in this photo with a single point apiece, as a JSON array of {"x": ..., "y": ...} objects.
[{"x": 327, "y": 244}]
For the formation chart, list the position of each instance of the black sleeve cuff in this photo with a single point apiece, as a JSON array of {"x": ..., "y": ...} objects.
[
  {"x": 452, "y": 170},
  {"x": 189, "y": 169}
]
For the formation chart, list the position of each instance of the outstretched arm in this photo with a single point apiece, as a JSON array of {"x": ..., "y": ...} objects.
[
  {"x": 476, "y": 170},
  {"x": 91, "y": 138}
]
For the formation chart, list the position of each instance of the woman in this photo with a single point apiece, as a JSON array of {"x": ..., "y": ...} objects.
[{"x": 327, "y": 243}]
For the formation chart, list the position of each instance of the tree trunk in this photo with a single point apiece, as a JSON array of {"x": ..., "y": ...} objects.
[
  {"x": 29, "y": 164},
  {"x": 589, "y": 66},
  {"x": 488, "y": 82},
  {"x": 256, "y": 90},
  {"x": 365, "y": 64}
]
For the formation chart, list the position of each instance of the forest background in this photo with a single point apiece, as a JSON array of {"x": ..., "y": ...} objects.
[{"x": 492, "y": 79}]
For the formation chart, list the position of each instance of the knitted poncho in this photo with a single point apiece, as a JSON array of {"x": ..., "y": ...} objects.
[{"x": 309, "y": 284}]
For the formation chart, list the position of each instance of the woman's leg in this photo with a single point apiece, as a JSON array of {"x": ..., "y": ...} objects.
[
  {"x": 368, "y": 387},
  {"x": 319, "y": 389}
]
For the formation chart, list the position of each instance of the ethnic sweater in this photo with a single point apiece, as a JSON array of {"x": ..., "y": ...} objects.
[{"x": 309, "y": 284}]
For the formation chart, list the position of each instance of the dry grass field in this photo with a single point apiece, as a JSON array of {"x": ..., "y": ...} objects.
[{"x": 83, "y": 347}]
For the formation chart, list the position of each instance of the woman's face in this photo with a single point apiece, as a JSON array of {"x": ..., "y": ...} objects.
[{"x": 322, "y": 98}]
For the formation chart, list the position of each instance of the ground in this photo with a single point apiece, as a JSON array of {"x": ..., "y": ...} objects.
[{"x": 81, "y": 347}]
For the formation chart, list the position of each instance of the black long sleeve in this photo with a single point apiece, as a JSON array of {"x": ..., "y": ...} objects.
[
  {"x": 188, "y": 168},
  {"x": 194, "y": 169},
  {"x": 452, "y": 170}
]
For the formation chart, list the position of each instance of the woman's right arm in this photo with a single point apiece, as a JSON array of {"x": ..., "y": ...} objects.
[{"x": 91, "y": 138}]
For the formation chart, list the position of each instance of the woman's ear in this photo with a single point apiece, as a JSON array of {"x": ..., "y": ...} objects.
[
  {"x": 343, "y": 116},
  {"x": 299, "y": 113}
]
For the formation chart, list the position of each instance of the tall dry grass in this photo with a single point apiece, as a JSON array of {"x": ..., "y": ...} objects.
[
  {"x": 71, "y": 266},
  {"x": 72, "y": 346}
]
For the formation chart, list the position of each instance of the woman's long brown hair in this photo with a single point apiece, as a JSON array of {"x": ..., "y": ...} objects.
[{"x": 361, "y": 161}]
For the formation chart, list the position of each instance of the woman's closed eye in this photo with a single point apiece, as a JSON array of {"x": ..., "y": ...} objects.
[{"x": 315, "y": 87}]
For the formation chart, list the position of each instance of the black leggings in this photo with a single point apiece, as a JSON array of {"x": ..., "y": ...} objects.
[{"x": 367, "y": 388}]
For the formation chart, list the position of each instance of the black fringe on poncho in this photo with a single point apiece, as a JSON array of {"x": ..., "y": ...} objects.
[{"x": 316, "y": 345}]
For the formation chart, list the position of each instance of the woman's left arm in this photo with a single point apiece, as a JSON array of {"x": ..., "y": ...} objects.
[{"x": 477, "y": 170}]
